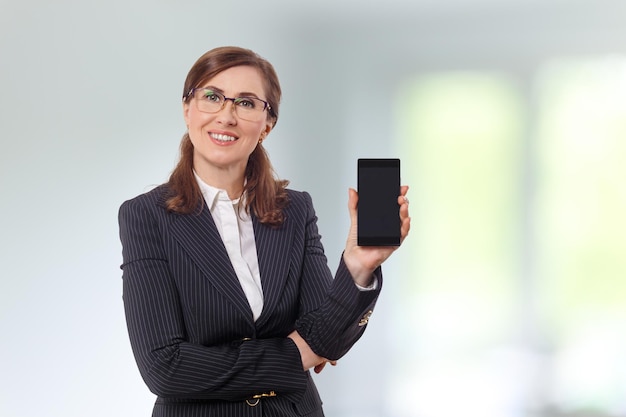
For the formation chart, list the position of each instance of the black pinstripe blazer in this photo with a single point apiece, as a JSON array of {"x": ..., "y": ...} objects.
[{"x": 191, "y": 328}]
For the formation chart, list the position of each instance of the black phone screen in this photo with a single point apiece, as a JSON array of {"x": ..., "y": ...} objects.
[{"x": 378, "y": 209}]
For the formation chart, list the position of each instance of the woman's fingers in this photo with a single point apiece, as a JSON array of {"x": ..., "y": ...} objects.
[{"x": 319, "y": 367}]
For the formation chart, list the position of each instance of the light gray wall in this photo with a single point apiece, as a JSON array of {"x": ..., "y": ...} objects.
[{"x": 90, "y": 116}]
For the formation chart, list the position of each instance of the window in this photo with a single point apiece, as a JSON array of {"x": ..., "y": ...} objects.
[{"x": 517, "y": 298}]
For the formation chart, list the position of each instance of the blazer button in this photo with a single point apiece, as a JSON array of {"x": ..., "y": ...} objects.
[{"x": 366, "y": 318}]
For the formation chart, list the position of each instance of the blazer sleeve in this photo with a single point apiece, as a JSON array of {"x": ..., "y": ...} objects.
[
  {"x": 334, "y": 323},
  {"x": 170, "y": 365}
]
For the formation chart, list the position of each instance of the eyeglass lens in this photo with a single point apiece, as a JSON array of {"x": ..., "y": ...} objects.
[{"x": 247, "y": 108}]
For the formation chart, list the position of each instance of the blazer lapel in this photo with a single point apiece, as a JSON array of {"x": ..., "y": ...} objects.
[
  {"x": 272, "y": 246},
  {"x": 198, "y": 236}
]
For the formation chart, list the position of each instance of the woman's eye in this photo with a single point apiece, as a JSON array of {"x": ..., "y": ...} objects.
[
  {"x": 212, "y": 97},
  {"x": 245, "y": 102}
]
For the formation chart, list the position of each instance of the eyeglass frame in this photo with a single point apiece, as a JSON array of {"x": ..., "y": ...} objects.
[{"x": 266, "y": 104}]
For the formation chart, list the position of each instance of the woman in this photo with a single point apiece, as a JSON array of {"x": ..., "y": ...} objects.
[{"x": 228, "y": 297}]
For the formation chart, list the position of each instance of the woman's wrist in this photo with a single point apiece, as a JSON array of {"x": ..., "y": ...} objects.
[
  {"x": 362, "y": 276},
  {"x": 309, "y": 358}
]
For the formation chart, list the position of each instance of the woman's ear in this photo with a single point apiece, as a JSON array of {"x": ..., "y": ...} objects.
[{"x": 186, "y": 113}]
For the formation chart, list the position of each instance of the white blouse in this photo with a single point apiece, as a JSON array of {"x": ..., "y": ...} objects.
[{"x": 235, "y": 227}]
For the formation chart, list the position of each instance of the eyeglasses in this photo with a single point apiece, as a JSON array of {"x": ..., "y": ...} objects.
[{"x": 247, "y": 108}]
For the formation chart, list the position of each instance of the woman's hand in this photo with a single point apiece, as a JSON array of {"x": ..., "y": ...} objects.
[
  {"x": 363, "y": 260},
  {"x": 320, "y": 367},
  {"x": 309, "y": 358}
]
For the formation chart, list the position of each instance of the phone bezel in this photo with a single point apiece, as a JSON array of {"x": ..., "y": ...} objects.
[{"x": 369, "y": 163}]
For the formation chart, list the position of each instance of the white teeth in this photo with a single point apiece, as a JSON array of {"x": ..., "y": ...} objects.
[{"x": 222, "y": 138}]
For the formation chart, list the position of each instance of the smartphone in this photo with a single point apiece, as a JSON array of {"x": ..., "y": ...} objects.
[{"x": 378, "y": 221}]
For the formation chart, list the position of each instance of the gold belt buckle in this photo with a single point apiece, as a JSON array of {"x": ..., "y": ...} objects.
[{"x": 254, "y": 401}]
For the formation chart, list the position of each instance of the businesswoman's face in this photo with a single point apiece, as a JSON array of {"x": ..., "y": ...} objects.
[{"x": 226, "y": 118}]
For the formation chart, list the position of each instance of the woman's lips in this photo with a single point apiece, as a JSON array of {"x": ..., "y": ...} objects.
[{"x": 222, "y": 137}]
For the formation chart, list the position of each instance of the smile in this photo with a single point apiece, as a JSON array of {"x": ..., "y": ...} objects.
[{"x": 222, "y": 138}]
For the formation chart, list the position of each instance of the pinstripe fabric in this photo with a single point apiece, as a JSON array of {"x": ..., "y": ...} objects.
[{"x": 191, "y": 328}]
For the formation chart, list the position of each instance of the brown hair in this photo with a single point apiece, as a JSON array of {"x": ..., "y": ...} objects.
[{"x": 266, "y": 195}]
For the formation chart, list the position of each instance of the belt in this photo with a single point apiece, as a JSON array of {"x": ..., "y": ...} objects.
[{"x": 254, "y": 401}]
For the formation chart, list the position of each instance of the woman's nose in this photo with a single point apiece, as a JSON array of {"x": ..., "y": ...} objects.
[{"x": 227, "y": 113}]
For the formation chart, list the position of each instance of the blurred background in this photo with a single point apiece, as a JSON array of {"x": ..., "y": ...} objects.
[{"x": 507, "y": 300}]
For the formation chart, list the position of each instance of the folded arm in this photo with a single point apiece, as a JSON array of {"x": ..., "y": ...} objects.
[{"x": 172, "y": 365}]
